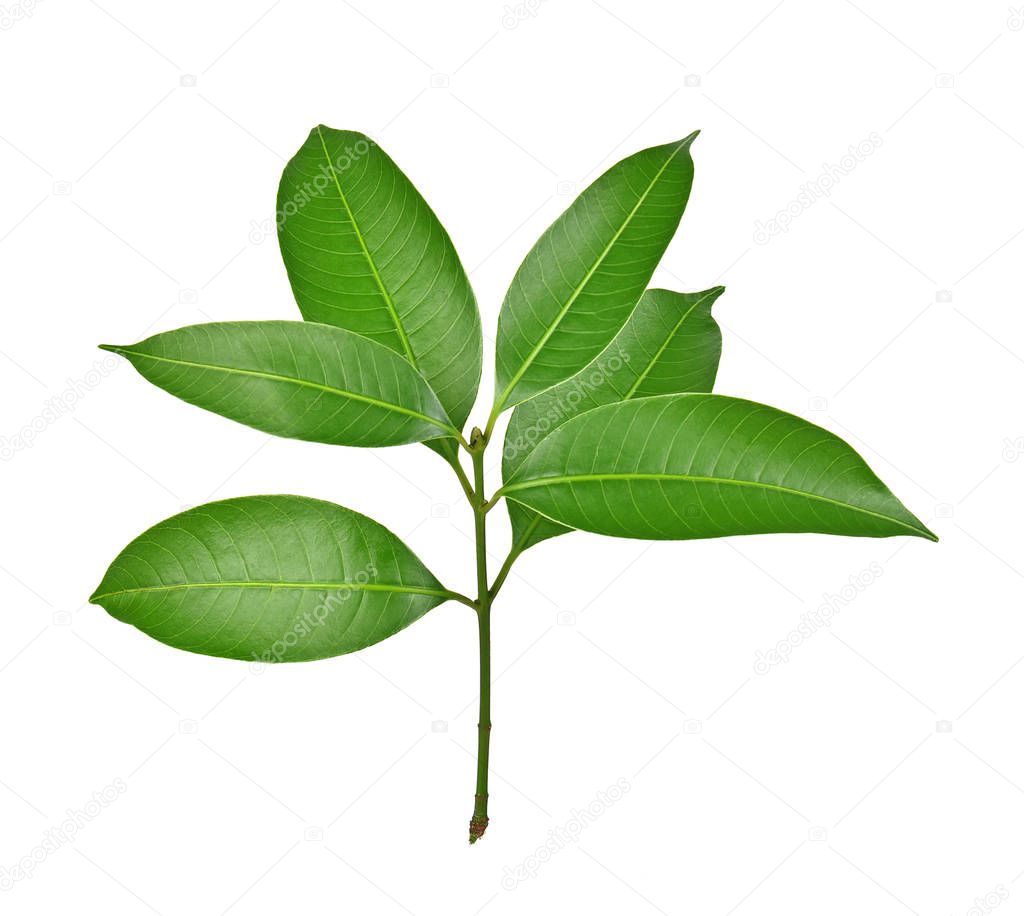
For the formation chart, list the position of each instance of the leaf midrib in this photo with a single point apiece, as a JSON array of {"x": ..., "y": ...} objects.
[
  {"x": 388, "y": 301},
  {"x": 287, "y": 379},
  {"x": 690, "y": 478},
  {"x": 323, "y": 586},
  {"x": 499, "y": 404}
]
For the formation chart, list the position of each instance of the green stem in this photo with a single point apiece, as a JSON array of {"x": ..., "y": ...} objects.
[
  {"x": 506, "y": 568},
  {"x": 478, "y": 823},
  {"x": 453, "y": 459},
  {"x": 495, "y": 413},
  {"x": 514, "y": 553}
]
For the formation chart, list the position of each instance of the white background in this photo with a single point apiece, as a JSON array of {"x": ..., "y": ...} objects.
[{"x": 878, "y": 770}]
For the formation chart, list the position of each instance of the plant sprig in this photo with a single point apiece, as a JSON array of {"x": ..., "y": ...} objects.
[{"x": 613, "y": 427}]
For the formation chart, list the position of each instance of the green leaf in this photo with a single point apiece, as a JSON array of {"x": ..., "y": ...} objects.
[
  {"x": 686, "y": 466},
  {"x": 670, "y": 344},
  {"x": 294, "y": 379},
  {"x": 365, "y": 252},
  {"x": 581, "y": 280},
  {"x": 269, "y": 578}
]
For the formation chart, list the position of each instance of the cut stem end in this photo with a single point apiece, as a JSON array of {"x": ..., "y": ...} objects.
[{"x": 477, "y": 826}]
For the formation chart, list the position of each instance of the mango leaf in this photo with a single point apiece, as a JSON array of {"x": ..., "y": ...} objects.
[
  {"x": 683, "y": 466},
  {"x": 670, "y": 344},
  {"x": 294, "y": 379},
  {"x": 581, "y": 280},
  {"x": 365, "y": 252},
  {"x": 269, "y": 579}
]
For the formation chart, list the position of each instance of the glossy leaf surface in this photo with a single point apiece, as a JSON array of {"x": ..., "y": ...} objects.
[
  {"x": 669, "y": 345},
  {"x": 704, "y": 465},
  {"x": 578, "y": 284},
  {"x": 268, "y": 578},
  {"x": 294, "y": 379},
  {"x": 365, "y": 252}
]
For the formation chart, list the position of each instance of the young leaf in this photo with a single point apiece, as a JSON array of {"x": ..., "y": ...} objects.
[
  {"x": 294, "y": 379},
  {"x": 365, "y": 252},
  {"x": 686, "y": 466},
  {"x": 670, "y": 344},
  {"x": 581, "y": 280},
  {"x": 269, "y": 578}
]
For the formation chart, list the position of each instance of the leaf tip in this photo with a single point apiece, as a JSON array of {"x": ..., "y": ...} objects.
[
  {"x": 112, "y": 348},
  {"x": 921, "y": 530}
]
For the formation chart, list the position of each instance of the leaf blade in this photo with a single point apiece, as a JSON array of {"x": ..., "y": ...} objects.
[
  {"x": 670, "y": 344},
  {"x": 732, "y": 467},
  {"x": 294, "y": 379},
  {"x": 562, "y": 309},
  {"x": 364, "y": 251},
  {"x": 268, "y": 578}
]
